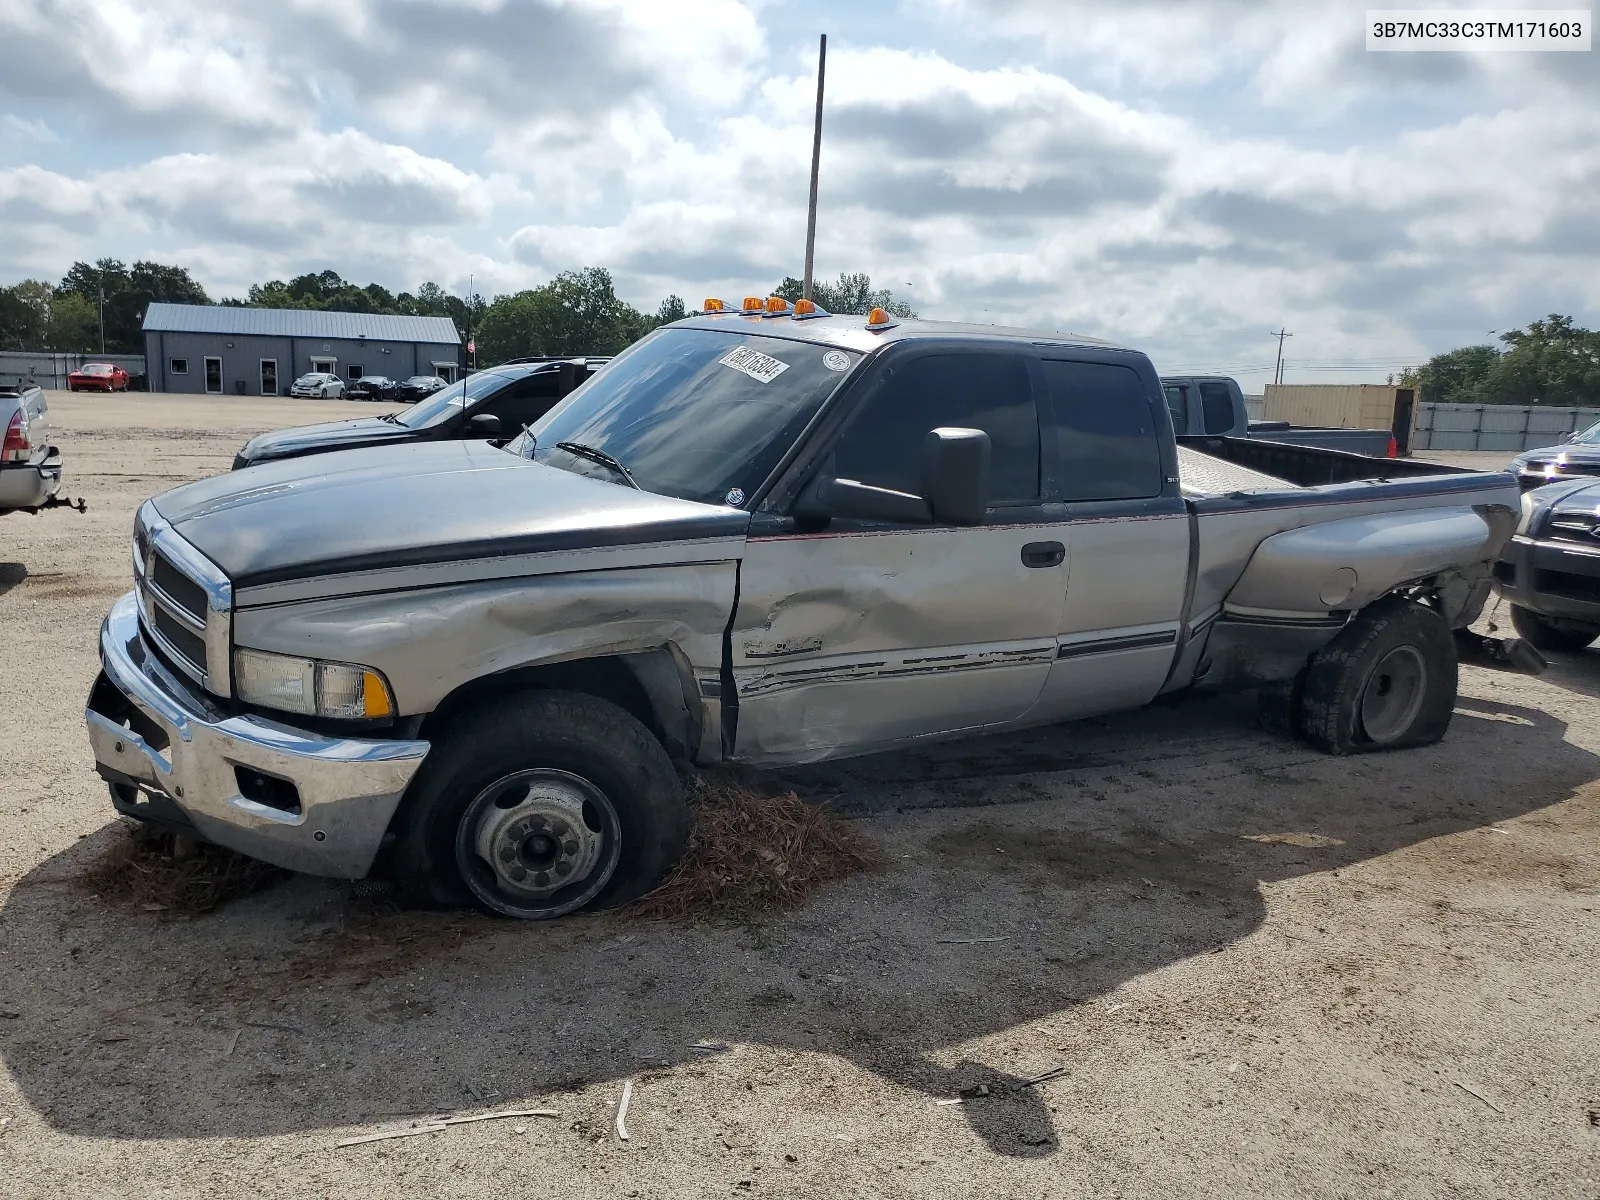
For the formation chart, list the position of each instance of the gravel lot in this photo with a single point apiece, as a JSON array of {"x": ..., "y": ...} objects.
[{"x": 1264, "y": 972}]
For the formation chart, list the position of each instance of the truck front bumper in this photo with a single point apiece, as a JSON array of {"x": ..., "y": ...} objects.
[
  {"x": 29, "y": 485},
  {"x": 309, "y": 803},
  {"x": 1556, "y": 578}
]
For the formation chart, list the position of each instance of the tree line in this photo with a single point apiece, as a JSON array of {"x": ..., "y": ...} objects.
[
  {"x": 577, "y": 312},
  {"x": 1552, "y": 361}
]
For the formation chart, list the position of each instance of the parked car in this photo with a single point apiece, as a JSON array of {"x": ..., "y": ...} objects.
[
  {"x": 473, "y": 668},
  {"x": 493, "y": 404},
  {"x": 1213, "y": 405},
  {"x": 1578, "y": 455},
  {"x": 97, "y": 377},
  {"x": 30, "y": 467},
  {"x": 1550, "y": 572},
  {"x": 373, "y": 387},
  {"x": 320, "y": 384},
  {"x": 418, "y": 387}
]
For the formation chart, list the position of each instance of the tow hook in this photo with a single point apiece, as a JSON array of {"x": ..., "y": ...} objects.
[{"x": 80, "y": 504}]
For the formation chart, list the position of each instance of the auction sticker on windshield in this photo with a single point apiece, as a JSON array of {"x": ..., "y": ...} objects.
[{"x": 760, "y": 367}]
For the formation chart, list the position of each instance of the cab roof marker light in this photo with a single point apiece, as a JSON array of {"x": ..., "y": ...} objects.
[
  {"x": 713, "y": 305},
  {"x": 808, "y": 310},
  {"x": 754, "y": 304},
  {"x": 777, "y": 306},
  {"x": 878, "y": 320}
]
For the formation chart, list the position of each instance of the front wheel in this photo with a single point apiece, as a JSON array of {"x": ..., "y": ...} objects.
[
  {"x": 1387, "y": 681},
  {"x": 543, "y": 805},
  {"x": 1551, "y": 633}
]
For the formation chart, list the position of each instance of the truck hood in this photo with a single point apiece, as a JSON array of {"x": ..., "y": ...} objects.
[
  {"x": 415, "y": 504},
  {"x": 328, "y": 435}
]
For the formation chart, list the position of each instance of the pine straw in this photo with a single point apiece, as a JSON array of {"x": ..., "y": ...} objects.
[
  {"x": 149, "y": 871},
  {"x": 752, "y": 851}
]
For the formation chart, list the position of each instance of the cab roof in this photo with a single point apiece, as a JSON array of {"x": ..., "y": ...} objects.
[{"x": 851, "y": 332}]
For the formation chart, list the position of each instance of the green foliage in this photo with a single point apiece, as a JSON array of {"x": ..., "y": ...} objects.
[
  {"x": 75, "y": 324},
  {"x": 577, "y": 312},
  {"x": 128, "y": 292},
  {"x": 853, "y": 295},
  {"x": 671, "y": 309},
  {"x": 25, "y": 315},
  {"x": 1552, "y": 361}
]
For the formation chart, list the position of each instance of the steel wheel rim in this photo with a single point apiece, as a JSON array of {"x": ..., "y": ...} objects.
[
  {"x": 1394, "y": 693},
  {"x": 538, "y": 843}
]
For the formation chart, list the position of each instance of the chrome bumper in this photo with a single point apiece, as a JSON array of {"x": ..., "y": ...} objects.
[
  {"x": 348, "y": 788},
  {"x": 29, "y": 485}
]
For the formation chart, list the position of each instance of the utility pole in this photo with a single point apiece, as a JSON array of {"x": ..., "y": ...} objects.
[
  {"x": 1277, "y": 373},
  {"x": 816, "y": 162},
  {"x": 102, "y": 313}
]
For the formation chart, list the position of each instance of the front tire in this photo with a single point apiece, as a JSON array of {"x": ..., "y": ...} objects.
[
  {"x": 1551, "y": 633},
  {"x": 1388, "y": 681},
  {"x": 548, "y": 803}
]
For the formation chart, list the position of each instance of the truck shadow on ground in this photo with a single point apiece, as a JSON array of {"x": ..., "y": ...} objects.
[
  {"x": 1098, "y": 852},
  {"x": 11, "y": 574}
]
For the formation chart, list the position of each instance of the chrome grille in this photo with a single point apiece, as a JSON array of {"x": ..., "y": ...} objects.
[
  {"x": 185, "y": 604},
  {"x": 1575, "y": 527}
]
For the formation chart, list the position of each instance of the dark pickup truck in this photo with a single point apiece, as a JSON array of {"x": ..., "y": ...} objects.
[
  {"x": 1213, "y": 406},
  {"x": 492, "y": 404}
]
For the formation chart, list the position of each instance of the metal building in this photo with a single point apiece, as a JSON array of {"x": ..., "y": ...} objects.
[{"x": 260, "y": 351}]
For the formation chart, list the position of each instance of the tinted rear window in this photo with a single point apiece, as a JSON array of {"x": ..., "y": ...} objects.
[
  {"x": 1105, "y": 430},
  {"x": 1216, "y": 407}
]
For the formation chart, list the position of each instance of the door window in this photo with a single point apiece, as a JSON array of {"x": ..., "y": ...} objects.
[
  {"x": 883, "y": 445},
  {"x": 1216, "y": 407},
  {"x": 269, "y": 377},
  {"x": 322, "y": 366},
  {"x": 1178, "y": 405},
  {"x": 1105, "y": 432},
  {"x": 523, "y": 402},
  {"x": 213, "y": 375}
]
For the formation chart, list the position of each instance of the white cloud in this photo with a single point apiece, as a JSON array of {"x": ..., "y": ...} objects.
[{"x": 1184, "y": 176}]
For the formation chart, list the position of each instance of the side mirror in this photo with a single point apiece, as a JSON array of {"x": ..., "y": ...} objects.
[
  {"x": 954, "y": 481},
  {"x": 484, "y": 425}
]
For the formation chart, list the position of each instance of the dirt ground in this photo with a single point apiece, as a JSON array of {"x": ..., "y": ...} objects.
[{"x": 1264, "y": 972}]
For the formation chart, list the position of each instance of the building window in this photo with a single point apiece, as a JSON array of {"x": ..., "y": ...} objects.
[
  {"x": 180, "y": 366},
  {"x": 355, "y": 373},
  {"x": 269, "y": 377},
  {"x": 214, "y": 375},
  {"x": 323, "y": 366}
]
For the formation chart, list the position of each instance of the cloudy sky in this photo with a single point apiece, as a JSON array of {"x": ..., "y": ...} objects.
[{"x": 1179, "y": 175}]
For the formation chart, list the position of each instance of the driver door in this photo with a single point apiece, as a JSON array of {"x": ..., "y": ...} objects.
[{"x": 864, "y": 635}]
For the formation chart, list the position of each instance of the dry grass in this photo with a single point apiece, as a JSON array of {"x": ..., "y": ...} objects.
[
  {"x": 155, "y": 872},
  {"x": 752, "y": 851}
]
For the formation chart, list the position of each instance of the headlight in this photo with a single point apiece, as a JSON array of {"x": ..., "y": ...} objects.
[{"x": 309, "y": 686}]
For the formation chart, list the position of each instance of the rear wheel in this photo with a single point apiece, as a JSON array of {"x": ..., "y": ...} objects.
[
  {"x": 1387, "y": 681},
  {"x": 1551, "y": 633},
  {"x": 549, "y": 803}
]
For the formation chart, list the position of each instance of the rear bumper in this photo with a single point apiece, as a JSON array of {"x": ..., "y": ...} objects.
[
  {"x": 28, "y": 485},
  {"x": 328, "y": 800},
  {"x": 1558, "y": 579}
]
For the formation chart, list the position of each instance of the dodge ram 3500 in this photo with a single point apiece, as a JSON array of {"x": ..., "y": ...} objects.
[{"x": 767, "y": 537}]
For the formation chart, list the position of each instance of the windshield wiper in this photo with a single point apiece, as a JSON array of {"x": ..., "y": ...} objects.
[
  {"x": 389, "y": 417},
  {"x": 601, "y": 457}
]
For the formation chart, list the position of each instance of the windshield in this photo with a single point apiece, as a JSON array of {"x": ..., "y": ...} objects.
[
  {"x": 439, "y": 407},
  {"x": 97, "y": 369},
  {"x": 1590, "y": 435},
  {"x": 700, "y": 414}
]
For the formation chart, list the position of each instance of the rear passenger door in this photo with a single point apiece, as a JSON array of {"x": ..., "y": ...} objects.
[
  {"x": 1118, "y": 495},
  {"x": 861, "y": 635}
]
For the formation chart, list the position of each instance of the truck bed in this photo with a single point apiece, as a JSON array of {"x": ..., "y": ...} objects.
[{"x": 1201, "y": 475}]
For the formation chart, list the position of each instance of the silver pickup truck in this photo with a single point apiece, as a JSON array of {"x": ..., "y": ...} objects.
[
  {"x": 763, "y": 537},
  {"x": 30, "y": 467}
]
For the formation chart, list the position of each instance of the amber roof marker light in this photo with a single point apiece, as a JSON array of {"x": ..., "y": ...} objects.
[
  {"x": 807, "y": 310},
  {"x": 754, "y": 304},
  {"x": 879, "y": 319},
  {"x": 713, "y": 305},
  {"x": 777, "y": 306}
]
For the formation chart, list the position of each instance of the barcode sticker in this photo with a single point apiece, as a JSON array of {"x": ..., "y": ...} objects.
[{"x": 753, "y": 363}]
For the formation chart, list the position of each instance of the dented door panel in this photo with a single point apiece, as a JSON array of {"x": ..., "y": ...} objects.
[{"x": 850, "y": 641}]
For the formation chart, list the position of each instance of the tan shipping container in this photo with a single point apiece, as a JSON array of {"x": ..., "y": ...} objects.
[{"x": 1345, "y": 406}]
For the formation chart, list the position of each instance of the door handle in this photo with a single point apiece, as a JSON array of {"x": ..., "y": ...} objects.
[{"x": 1043, "y": 554}]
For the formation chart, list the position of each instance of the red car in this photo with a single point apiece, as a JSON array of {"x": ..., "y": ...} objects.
[{"x": 98, "y": 377}]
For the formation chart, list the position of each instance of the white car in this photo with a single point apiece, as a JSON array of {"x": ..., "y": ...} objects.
[{"x": 318, "y": 383}]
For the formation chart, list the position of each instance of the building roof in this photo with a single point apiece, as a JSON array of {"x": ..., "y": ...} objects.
[{"x": 297, "y": 322}]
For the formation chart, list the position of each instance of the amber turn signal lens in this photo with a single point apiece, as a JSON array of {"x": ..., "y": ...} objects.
[
  {"x": 753, "y": 304},
  {"x": 712, "y": 304}
]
